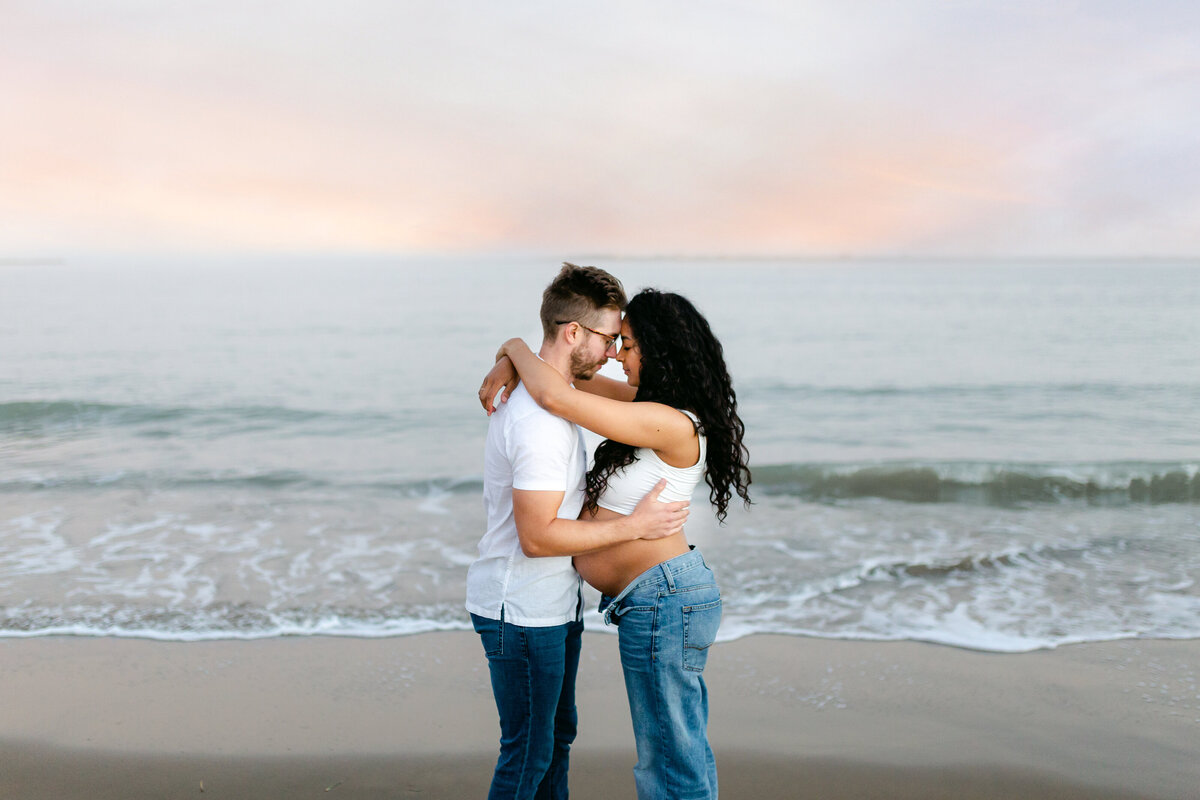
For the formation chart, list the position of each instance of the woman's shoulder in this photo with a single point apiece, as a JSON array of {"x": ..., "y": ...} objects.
[{"x": 688, "y": 446}]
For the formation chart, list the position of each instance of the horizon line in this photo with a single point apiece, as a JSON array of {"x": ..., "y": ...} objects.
[{"x": 64, "y": 259}]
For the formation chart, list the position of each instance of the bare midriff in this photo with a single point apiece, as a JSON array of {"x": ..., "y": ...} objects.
[{"x": 613, "y": 569}]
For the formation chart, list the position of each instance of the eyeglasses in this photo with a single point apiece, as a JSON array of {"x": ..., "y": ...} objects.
[{"x": 610, "y": 339}]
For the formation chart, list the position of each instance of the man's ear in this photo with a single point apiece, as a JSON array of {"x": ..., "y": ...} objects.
[{"x": 570, "y": 333}]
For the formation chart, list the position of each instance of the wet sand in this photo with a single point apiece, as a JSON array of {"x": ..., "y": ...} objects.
[{"x": 413, "y": 716}]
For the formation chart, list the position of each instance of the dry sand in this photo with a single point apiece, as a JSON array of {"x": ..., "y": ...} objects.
[{"x": 413, "y": 717}]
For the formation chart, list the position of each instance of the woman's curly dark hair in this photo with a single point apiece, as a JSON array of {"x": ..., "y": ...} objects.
[{"x": 682, "y": 366}]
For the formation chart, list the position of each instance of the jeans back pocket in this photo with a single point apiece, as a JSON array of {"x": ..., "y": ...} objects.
[{"x": 700, "y": 623}]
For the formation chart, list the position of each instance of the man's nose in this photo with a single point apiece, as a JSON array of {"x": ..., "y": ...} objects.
[{"x": 611, "y": 352}]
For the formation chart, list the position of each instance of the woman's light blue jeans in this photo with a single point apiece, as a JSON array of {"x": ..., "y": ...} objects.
[
  {"x": 668, "y": 618},
  {"x": 533, "y": 679}
]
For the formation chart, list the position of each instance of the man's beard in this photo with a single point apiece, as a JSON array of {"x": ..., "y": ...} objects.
[{"x": 582, "y": 366}]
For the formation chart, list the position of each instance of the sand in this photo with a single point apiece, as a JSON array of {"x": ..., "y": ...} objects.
[{"x": 413, "y": 717}]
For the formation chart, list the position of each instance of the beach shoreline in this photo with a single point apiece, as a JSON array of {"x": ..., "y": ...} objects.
[{"x": 413, "y": 715}]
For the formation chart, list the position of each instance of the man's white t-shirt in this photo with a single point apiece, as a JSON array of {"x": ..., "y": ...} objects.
[{"x": 527, "y": 448}]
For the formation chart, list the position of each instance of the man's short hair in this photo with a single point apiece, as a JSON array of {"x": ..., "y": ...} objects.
[{"x": 579, "y": 294}]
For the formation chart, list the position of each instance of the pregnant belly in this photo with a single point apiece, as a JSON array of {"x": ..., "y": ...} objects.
[{"x": 613, "y": 569}]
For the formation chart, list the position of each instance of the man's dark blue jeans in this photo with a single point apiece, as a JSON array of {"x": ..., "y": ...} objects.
[{"x": 533, "y": 679}]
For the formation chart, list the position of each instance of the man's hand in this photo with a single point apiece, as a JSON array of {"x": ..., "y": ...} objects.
[
  {"x": 502, "y": 376},
  {"x": 655, "y": 520}
]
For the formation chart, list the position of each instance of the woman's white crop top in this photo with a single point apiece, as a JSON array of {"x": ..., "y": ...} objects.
[{"x": 628, "y": 485}]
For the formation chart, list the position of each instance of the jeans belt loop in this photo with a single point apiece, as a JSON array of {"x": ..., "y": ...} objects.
[
  {"x": 666, "y": 571},
  {"x": 606, "y": 615}
]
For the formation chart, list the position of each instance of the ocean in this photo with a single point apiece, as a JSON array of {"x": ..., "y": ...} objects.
[{"x": 1002, "y": 456}]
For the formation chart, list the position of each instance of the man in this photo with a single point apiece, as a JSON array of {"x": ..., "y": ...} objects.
[{"x": 522, "y": 591}]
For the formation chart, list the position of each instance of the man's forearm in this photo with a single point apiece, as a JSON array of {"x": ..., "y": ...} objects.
[{"x": 573, "y": 537}]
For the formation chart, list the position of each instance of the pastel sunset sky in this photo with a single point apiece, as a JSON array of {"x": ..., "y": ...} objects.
[{"x": 903, "y": 128}]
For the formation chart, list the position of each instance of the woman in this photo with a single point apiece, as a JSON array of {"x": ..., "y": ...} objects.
[{"x": 676, "y": 418}]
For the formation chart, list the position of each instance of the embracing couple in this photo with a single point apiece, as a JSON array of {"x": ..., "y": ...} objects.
[{"x": 619, "y": 526}]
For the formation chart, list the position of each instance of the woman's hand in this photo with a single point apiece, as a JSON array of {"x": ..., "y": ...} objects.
[{"x": 502, "y": 376}]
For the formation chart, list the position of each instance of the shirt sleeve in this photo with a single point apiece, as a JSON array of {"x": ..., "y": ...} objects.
[{"x": 539, "y": 449}]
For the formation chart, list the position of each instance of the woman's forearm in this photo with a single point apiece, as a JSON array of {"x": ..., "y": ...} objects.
[
  {"x": 603, "y": 386},
  {"x": 542, "y": 381}
]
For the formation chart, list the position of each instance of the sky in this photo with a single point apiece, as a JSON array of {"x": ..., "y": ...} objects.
[{"x": 940, "y": 128}]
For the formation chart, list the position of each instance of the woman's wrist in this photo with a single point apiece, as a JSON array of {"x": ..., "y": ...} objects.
[{"x": 511, "y": 345}]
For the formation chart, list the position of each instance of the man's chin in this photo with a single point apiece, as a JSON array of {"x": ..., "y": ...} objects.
[{"x": 588, "y": 374}]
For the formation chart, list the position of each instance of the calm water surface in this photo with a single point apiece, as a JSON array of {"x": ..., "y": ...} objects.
[{"x": 1001, "y": 456}]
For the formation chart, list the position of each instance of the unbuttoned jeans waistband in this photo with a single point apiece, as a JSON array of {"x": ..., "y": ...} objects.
[{"x": 666, "y": 572}]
